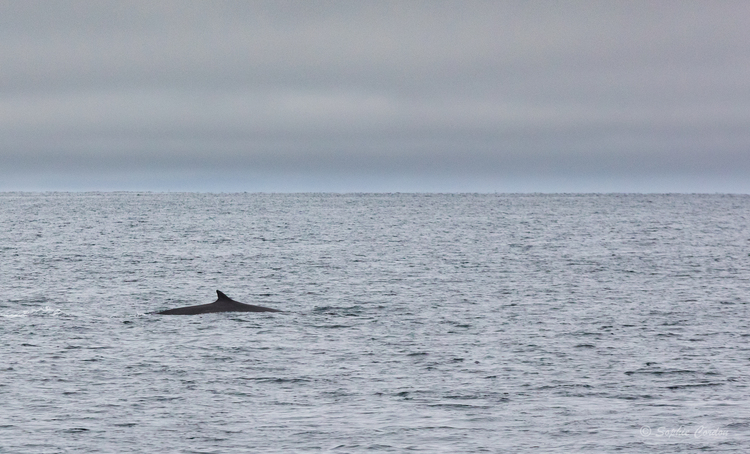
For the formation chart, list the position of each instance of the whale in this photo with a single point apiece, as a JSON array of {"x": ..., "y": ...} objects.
[{"x": 223, "y": 304}]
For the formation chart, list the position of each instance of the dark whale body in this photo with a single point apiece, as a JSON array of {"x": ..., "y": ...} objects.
[{"x": 223, "y": 304}]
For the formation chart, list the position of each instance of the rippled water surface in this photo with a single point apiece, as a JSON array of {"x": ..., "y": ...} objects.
[{"x": 421, "y": 323}]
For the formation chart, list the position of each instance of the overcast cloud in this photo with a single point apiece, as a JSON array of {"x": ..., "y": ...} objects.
[{"x": 375, "y": 96}]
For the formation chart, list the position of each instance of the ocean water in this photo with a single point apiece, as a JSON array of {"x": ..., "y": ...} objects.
[{"x": 412, "y": 323}]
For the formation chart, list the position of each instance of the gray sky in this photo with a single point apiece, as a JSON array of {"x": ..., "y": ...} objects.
[{"x": 527, "y": 96}]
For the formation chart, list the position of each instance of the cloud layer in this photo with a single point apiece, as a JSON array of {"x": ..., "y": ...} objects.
[{"x": 488, "y": 96}]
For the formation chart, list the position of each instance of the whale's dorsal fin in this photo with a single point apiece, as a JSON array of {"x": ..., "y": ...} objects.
[{"x": 223, "y": 304}]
